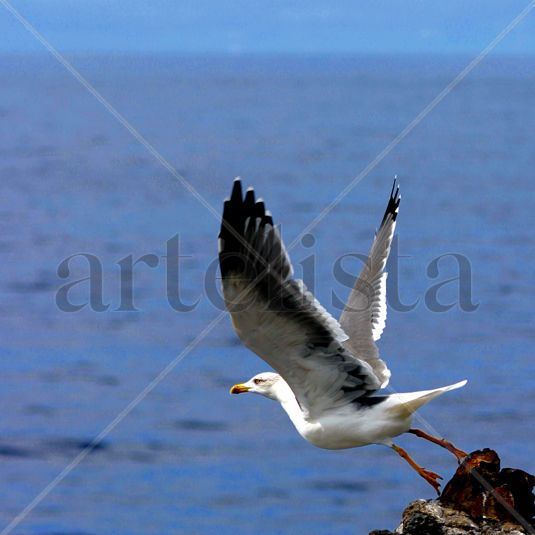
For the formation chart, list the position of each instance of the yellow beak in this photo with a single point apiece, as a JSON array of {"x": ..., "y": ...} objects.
[{"x": 239, "y": 389}]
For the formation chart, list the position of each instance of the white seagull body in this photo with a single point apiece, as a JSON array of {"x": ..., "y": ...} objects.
[
  {"x": 346, "y": 427},
  {"x": 328, "y": 372}
]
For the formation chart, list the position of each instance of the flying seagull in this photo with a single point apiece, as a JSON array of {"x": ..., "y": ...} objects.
[{"x": 329, "y": 372}]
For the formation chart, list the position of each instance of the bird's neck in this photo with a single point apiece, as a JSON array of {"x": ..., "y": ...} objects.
[{"x": 289, "y": 403}]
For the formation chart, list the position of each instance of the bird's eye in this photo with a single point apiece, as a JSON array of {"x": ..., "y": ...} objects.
[{"x": 258, "y": 381}]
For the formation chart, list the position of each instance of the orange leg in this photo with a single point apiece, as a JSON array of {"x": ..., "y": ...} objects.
[
  {"x": 460, "y": 454},
  {"x": 429, "y": 476}
]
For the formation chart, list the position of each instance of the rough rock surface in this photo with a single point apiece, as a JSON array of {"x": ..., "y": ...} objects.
[{"x": 480, "y": 499}]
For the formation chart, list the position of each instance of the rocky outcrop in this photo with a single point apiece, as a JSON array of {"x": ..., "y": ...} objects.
[{"x": 480, "y": 499}]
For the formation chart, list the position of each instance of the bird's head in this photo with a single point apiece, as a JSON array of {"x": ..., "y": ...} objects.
[{"x": 266, "y": 384}]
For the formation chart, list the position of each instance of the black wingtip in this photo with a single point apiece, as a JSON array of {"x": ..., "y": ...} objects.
[
  {"x": 260, "y": 209},
  {"x": 394, "y": 187},
  {"x": 236, "y": 195},
  {"x": 230, "y": 223},
  {"x": 392, "y": 208},
  {"x": 237, "y": 212},
  {"x": 268, "y": 218},
  {"x": 249, "y": 197}
]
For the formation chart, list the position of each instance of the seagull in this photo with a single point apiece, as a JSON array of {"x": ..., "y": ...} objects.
[{"x": 328, "y": 372}]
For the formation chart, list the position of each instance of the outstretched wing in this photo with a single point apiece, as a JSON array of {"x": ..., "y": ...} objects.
[
  {"x": 364, "y": 316},
  {"x": 276, "y": 317}
]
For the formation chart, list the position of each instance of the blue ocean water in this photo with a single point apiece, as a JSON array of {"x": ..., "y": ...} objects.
[{"x": 190, "y": 458}]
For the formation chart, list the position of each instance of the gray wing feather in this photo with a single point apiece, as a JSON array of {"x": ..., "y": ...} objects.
[
  {"x": 364, "y": 315},
  {"x": 278, "y": 318}
]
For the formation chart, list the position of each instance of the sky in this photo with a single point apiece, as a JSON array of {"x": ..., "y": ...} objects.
[{"x": 264, "y": 27}]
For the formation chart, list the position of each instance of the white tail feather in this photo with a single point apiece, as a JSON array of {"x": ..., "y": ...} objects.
[{"x": 406, "y": 404}]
